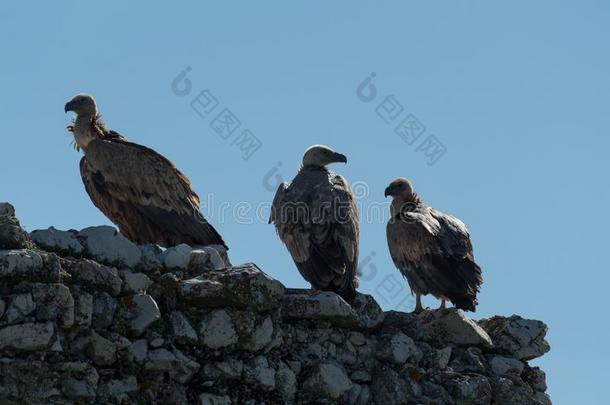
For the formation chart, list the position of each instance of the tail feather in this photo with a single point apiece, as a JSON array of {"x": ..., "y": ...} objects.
[
  {"x": 471, "y": 279},
  {"x": 458, "y": 280},
  {"x": 348, "y": 290},
  {"x": 321, "y": 274},
  {"x": 465, "y": 302},
  {"x": 174, "y": 228}
]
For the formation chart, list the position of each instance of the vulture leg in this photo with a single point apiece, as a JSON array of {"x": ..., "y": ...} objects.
[
  {"x": 418, "y": 307},
  {"x": 443, "y": 305}
]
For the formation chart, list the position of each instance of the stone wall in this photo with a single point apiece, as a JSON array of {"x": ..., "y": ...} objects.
[{"x": 88, "y": 317}]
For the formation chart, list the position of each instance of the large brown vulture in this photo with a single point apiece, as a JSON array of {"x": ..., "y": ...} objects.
[
  {"x": 431, "y": 249},
  {"x": 317, "y": 219},
  {"x": 139, "y": 190}
]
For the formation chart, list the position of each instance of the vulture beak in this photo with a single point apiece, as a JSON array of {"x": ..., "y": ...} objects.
[
  {"x": 68, "y": 107},
  {"x": 339, "y": 158},
  {"x": 388, "y": 191}
]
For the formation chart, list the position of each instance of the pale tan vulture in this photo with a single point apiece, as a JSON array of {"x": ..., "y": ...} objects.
[
  {"x": 317, "y": 219},
  {"x": 431, "y": 249},
  {"x": 139, "y": 190}
]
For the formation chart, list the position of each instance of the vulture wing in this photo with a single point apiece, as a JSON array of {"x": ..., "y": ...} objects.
[
  {"x": 144, "y": 194},
  {"x": 453, "y": 235},
  {"x": 435, "y": 255}
]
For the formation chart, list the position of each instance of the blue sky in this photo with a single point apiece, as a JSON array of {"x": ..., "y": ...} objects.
[{"x": 517, "y": 93}]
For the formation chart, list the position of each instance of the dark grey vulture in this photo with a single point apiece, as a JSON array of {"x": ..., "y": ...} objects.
[
  {"x": 139, "y": 190},
  {"x": 431, "y": 249},
  {"x": 317, "y": 219}
]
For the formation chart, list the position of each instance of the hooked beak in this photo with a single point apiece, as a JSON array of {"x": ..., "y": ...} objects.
[
  {"x": 339, "y": 158},
  {"x": 68, "y": 107},
  {"x": 388, "y": 191}
]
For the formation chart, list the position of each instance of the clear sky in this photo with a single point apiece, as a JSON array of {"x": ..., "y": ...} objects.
[{"x": 515, "y": 93}]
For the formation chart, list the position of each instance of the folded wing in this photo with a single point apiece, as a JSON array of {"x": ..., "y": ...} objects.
[
  {"x": 433, "y": 251},
  {"x": 144, "y": 194}
]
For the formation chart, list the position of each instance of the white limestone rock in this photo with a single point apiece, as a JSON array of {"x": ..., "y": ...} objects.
[
  {"x": 54, "y": 302},
  {"x": 137, "y": 352},
  {"x": 259, "y": 373},
  {"x": 141, "y": 312},
  {"x": 79, "y": 381},
  {"x": 518, "y": 337},
  {"x": 135, "y": 282},
  {"x": 119, "y": 389},
  {"x": 286, "y": 382},
  {"x": 102, "y": 351},
  {"x": 452, "y": 326},
  {"x": 63, "y": 242},
  {"x": 106, "y": 245},
  {"x": 217, "y": 330},
  {"x": 19, "y": 308},
  {"x": 160, "y": 360},
  {"x": 83, "y": 307},
  {"x": 399, "y": 349},
  {"x": 243, "y": 286},
  {"x": 177, "y": 257},
  {"x": 104, "y": 310},
  {"x": 209, "y": 258},
  {"x": 470, "y": 389},
  {"x": 502, "y": 366},
  {"x": 185, "y": 369},
  {"x": 260, "y": 336},
  {"x": 12, "y": 236},
  {"x": 151, "y": 258},
  {"x": 230, "y": 369},
  {"x": 319, "y": 306},
  {"x": 329, "y": 380},
  {"x": 20, "y": 264},
  {"x": 78, "y": 389},
  {"x": 183, "y": 331},
  {"x": 96, "y": 276},
  {"x": 27, "y": 337},
  {"x": 212, "y": 399}
]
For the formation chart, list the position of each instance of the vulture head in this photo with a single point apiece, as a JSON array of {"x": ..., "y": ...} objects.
[
  {"x": 400, "y": 188},
  {"x": 321, "y": 155},
  {"x": 86, "y": 117},
  {"x": 82, "y": 104}
]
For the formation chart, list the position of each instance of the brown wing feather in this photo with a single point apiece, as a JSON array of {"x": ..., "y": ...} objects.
[
  {"x": 317, "y": 219},
  {"x": 138, "y": 174},
  {"x": 434, "y": 255},
  {"x": 144, "y": 194},
  {"x": 453, "y": 235},
  {"x": 119, "y": 212}
]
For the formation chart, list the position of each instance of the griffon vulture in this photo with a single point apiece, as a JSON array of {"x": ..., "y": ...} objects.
[
  {"x": 431, "y": 249},
  {"x": 139, "y": 190},
  {"x": 316, "y": 218}
]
